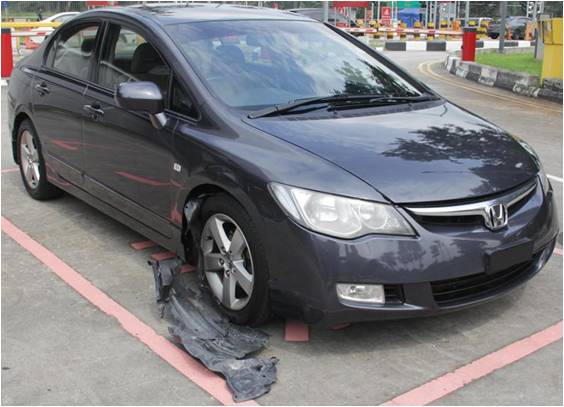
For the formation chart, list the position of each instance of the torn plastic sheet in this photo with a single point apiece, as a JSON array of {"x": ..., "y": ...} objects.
[{"x": 209, "y": 336}]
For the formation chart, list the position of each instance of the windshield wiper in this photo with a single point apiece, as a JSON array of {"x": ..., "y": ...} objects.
[
  {"x": 385, "y": 100},
  {"x": 339, "y": 101}
]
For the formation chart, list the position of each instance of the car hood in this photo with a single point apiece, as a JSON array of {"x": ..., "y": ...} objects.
[{"x": 436, "y": 154}]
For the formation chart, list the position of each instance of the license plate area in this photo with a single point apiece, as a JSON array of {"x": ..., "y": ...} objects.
[{"x": 507, "y": 257}]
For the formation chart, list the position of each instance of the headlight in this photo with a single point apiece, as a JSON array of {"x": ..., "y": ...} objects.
[
  {"x": 544, "y": 180},
  {"x": 542, "y": 175},
  {"x": 339, "y": 216}
]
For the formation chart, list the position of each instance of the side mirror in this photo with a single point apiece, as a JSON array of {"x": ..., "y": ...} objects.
[{"x": 142, "y": 97}]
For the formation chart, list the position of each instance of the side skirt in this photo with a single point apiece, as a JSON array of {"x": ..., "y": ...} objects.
[{"x": 172, "y": 243}]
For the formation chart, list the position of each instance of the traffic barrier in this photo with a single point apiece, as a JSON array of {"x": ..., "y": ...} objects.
[
  {"x": 391, "y": 32},
  {"x": 7, "y": 57},
  {"x": 29, "y": 24}
]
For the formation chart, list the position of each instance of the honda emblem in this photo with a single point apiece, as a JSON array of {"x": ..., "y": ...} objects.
[{"x": 496, "y": 216}]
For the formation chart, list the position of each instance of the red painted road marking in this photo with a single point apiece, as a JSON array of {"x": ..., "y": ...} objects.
[
  {"x": 163, "y": 256},
  {"x": 296, "y": 331},
  {"x": 187, "y": 268},
  {"x": 441, "y": 386},
  {"x": 10, "y": 170},
  {"x": 177, "y": 358},
  {"x": 558, "y": 251},
  {"x": 142, "y": 245}
]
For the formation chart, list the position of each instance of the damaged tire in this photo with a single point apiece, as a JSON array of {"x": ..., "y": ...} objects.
[
  {"x": 32, "y": 164},
  {"x": 232, "y": 261}
]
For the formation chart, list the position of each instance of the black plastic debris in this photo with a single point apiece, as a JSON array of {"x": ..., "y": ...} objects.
[
  {"x": 209, "y": 336},
  {"x": 164, "y": 271}
]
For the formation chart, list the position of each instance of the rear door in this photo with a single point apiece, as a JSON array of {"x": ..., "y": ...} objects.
[
  {"x": 58, "y": 98},
  {"x": 128, "y": 163}
]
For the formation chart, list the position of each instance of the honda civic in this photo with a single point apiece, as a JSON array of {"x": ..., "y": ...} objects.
[{"x": 303, "y": 173}]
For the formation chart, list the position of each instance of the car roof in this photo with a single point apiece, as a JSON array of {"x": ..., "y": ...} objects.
[
  {"x": 192, "y": 12},
  {"x": 64, "y": 13}
]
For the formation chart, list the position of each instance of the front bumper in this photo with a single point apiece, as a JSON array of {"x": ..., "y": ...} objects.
[{"x": 441, "y": 270}]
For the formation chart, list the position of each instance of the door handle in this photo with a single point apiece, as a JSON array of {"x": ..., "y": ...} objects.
[
  {"x": 42, "y": 88},
  {"x": 94, "y": 109}
]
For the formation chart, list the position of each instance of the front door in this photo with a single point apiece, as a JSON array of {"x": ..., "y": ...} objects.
[
  {"x": 57, "y": 98},
  {"x": 128, "y": 163}
]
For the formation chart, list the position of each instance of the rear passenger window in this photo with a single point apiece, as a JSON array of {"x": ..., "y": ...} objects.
[
  {"x": 73, "y": 50},
  {"x": 127, "y": 57}
]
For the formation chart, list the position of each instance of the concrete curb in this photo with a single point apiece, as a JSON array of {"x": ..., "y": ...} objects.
[
  {"x": 522, "y": 84},
  {"x": 395, "y": 46},
  {"x": 436, "y": 46}
]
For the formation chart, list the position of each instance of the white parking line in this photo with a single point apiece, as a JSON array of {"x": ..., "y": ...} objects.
[{"x": 554, "y": 178}]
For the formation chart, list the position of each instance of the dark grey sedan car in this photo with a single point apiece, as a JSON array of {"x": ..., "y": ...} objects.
[
  {"x": 516, "y": 25},
  {"x": 303, "y": 172}
]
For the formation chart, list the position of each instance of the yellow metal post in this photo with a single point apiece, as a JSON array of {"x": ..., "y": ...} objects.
[
  {"x": 483, "y": 30},
  {"x": 30, "y": 24},
  {"x": 552, "y": 39},
  {"x": 444, "y": 27},
  {"x": 430, "y": 27},
  {"x": 417, "y": 34},
  {"x": 402, "y": 33},
  {"x": 377, "y": 33}
]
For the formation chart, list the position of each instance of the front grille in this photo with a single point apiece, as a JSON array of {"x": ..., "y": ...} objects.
[
  {"x": 472, "y": 213},
  {"x": 464, "y": 289},
  {"x": 450, "y": 220}
]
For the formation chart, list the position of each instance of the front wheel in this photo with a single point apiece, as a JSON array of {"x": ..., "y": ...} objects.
[
  {"x": 232, "y": 261},
  {"x": 32, "y": 164}
]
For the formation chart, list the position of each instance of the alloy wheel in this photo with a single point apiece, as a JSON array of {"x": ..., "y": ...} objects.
[
  {"x": 227, "y": 262},
  {"x": 29, "y": 159}
]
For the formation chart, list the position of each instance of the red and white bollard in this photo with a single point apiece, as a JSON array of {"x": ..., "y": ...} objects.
[{"x": 7, "y": 57}]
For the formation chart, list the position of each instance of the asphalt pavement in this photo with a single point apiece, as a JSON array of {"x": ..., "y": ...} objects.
[{"x": 58, "y": 347}]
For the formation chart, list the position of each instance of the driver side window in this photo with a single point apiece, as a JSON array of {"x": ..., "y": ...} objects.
[{"x": 128, "y": 57}]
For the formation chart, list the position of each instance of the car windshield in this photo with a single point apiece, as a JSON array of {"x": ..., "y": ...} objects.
[{"x": 253, "y": 64}]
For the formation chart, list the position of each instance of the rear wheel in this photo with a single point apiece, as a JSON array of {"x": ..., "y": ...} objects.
[
  {"x": 232, "y": 261},
  {"x": 32, "y": 164}
]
